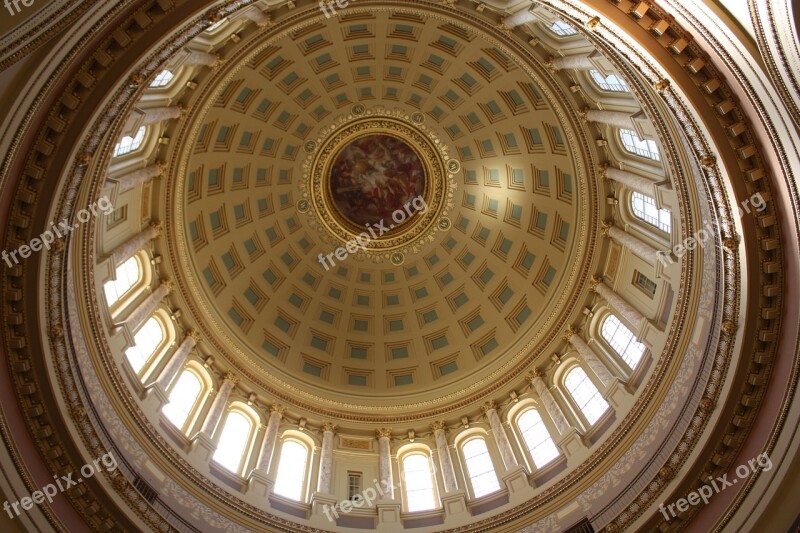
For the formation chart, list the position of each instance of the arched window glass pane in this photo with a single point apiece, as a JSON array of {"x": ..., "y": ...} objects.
[
  {"x": 233, "y": 441},
  {"x": 612, "y": 82},
  {"x": 145, "y": 342},
  {"x": 127, "y": 275},
  {"x": 418, "y": 480},
  {"x": 128, "y": 144},
  {"x": 644, "y": 208},
  {"x": 635, "y": 145},
  {"x": 182, "y": 398},
  {"x": 563, "y": 29},
  {"x": 291, "y": 475},
  {"x": 585, "y": 394},
  {"x": 163, "y": 79},
  {"x": 480, "y": 468},
  {"x": 622, "y": 340},
  {"x": 537, "y": 438}
]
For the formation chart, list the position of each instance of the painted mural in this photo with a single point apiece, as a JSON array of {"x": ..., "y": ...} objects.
[{"x": 373, "y": 176}]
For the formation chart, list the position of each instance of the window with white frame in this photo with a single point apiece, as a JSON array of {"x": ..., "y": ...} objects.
[
  {"x": 183, "y": 398},
  {"x": 418, "y": 482},
  {"x": 163, "y": 79},
  {"x": 126, "y": 276},
  {"x": 563, "y": 29},
  {"x": 145, "y": 343},
  {"x": 480, "y": 469},
  {"x": 647, "y": 285},
  {"x": 644, "y": 208},
  {"x": 291, "y": 477},
  {"x": 585, "y": 394},
  {"x": 233, "y": 441},
  {"x": 612, "y": 82},
  {"x": 537, "y": 438},
  {"x": 635, "y": 145},
  {"x": 622, "y": 340},
  {"x": 128, "y": 144}
]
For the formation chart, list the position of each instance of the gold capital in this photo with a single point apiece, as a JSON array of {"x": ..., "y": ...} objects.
[
  {"x": 605, "y": 227},
  {"x": 439, "y": 424},
  {"x": 330, "y": 426},
  {"x": 277, "y": 408},
  {"x": 230, "y": 376},
  {"x": 383, "y": 432},
  {"x": 569, "y": 332},
  {"x": 488, "y": 406},
  {"x": 596, "y": 280}
]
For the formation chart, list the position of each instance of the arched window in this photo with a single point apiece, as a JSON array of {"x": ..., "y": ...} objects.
[
  {"x": 163, "y": 79},
  {"x": 635, "y": 145},
  {"x": 622, "y": 340},
  {"x": 585, "y": 394},
  {"x": 183, "y": 398},
  {"x": 145, "y": 343},
  {"x": 537, "y": 438},
  {"x": 291, "y": 477},
  {"x": 563, "y": 29},
  {"x": 418, "y": 482},
  {"x": 233, "y": 441},
  {"x": 612, "y": 82},
  {"x": 480, "y": 469},
  {"x": 644, "y": 208},
  {"x": 128, "y": 144},
  {"x": 126, "y": 276}
]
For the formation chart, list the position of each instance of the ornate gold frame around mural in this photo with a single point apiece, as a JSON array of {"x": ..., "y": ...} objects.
[{"x": 440, "y": 183}]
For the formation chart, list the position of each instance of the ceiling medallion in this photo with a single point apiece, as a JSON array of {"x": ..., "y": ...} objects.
[{"x": 381, "y": 178}]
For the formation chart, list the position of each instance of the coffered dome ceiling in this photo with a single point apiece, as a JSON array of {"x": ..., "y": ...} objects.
[{"x": 468, "y": 302}]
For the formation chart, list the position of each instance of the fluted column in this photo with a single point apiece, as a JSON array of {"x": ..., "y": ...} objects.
[
  {"x": 132, "y": 179},
  {"x": 634, "y": 182},
  {"x": 519, "y": 18},
  {"x": 149, "y": 305},
  {"x": 384, "y": 436},
  {"x": 445, "y": 461},
  {"x": 270, "y": 438},
  {"x": 178, "y": 359},
  {"x": 550, "y": 405},
  {"x": 326, "y": 459},
  {"x": 632, "y": 315},
  {"x": 587, "y": 354},
  {"x": 127, "y": 249},
  {"x": 160, "y": 114},
  {"x": 618, "y": 119},
  {"x": 576, "y": 62},
  {"x": 211, "y": 421},
  {"x": 500, "y": 437}
]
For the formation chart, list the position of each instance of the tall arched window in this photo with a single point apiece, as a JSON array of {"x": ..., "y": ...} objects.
[
  {"x": 585, "y": 394},
  {"x": 622, "y": 340},
  {"x": 563, "y": 29},
  {"x": 126, "y": 276},
  {"x": 128, "y": 144},
  {"x": 418, "y": 482},
  {"x": 612, "y": 82},
  {"x": 233, "y": 441},
  {"x": 183, "y": 398},
  {"x": 163, "y": 79},
  {"x": 145, "y": 343},
  {"x": 537, "y": 438},
  {"x": 635, "y": 145},
  {"x": 480, "y": 469},
  {"x": 644, "y": 208},
  {"x": 291, "y": 477}
]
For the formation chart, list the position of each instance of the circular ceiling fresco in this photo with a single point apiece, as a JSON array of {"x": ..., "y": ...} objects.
[{"x": 374, "y": 176}]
